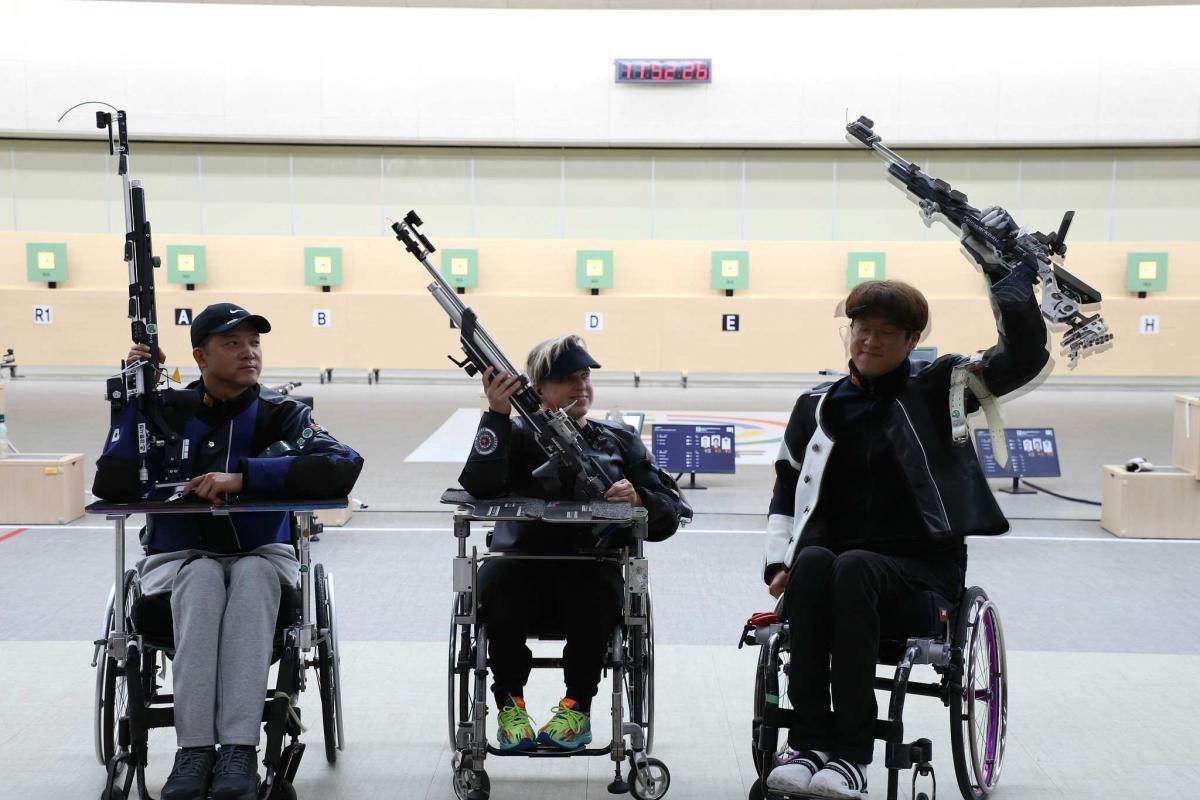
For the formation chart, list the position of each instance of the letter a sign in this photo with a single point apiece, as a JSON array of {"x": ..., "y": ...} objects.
[{"x": 183, "y": 316}]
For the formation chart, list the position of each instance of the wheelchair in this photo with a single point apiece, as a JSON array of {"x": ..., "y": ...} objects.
[
  {"x": 137, "y": 643},
  {"x": 962, "y": 642},
  {"x": 630, "y": 655}
]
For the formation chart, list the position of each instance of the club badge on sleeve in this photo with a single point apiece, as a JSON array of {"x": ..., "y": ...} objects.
[{"x": 486, "y": 441}]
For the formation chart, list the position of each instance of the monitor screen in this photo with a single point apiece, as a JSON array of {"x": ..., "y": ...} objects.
[
  {"x": 694, "y": 448},
  {"x": 1032, "y": 453},
  {"x": 924, "y": 354}
]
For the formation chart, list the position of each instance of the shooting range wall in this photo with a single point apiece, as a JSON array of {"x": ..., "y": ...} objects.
[{"x": 661, "y": 314}]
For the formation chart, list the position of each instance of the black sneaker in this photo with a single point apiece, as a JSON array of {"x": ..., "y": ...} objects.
[
  {"x": 235, "y": 777},
  {"x": 191, "y": 774}
]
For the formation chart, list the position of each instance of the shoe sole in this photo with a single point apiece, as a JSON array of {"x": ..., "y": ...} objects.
[{"x": 545, "y": 739}]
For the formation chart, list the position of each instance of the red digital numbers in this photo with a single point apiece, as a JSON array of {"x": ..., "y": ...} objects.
[{"x": 637, "y": 70}]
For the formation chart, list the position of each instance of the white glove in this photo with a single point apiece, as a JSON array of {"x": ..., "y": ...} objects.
[{"x": 1001, "y": 225}]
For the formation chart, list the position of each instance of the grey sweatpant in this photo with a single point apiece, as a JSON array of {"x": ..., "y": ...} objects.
[{"x": 224, "y": 611}]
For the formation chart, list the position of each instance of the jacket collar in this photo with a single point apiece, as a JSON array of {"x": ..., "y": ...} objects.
[
  {"x": 888, "y": 385},
  {"x": 217, "y": 411}
]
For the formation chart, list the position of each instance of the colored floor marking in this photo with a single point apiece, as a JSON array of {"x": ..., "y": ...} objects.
[{"x": 12, "y": 533}]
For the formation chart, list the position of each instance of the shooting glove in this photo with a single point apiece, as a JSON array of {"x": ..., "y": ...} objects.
[{"x": 1001, "y": 225}]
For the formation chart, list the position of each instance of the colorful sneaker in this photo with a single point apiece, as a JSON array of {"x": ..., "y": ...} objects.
[
  {"x": 516, "y": 729},
  {"x": 569, "y": 728}
]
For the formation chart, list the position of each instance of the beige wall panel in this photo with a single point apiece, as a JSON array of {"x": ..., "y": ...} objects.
[
  {"x": 170, "y": 175},
  {"x": 437, "y": 183},
  {"x": 1158, "y": 196},
  {"x": 7, "y": 221},
  {"x": 789, "y": 195},
  {"x": 71, "y": 185},
  {"x": 518, "y": 193},
  {"x": 868, "y": 206},
  {"x": 607, "y": 196},
  {"x": 246, "y": 191},
  {"x": 337, "y": 192},
  {"x": 664, "y": 317},
  {"x": 1056, "y": 181},
  {"x": 697, "y": 195},
  {"x": 988, "y": 178}
]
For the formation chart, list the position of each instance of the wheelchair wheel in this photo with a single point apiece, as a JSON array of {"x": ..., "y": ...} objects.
[
  {"x": 764, "y": 759},
  {"x": 328, "y": 664},
  {"x": 979, "y": 703},
  {"x": 657, "y": 785},
  {"x": 471, "y": 785},
  {"x": 640, "y": 677},
  {"x": 111, "y": 696},
  {"x": 458, "y": 688}
]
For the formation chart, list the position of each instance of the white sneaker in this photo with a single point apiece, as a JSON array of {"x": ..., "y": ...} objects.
[
  {"x": 841, "y": 779},
  {"x": 794, "y": 770}
]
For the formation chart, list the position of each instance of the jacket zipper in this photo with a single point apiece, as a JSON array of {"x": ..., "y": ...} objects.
[
  {"x": 229, "y": 517},
  {"x": 928, "y": 469}
]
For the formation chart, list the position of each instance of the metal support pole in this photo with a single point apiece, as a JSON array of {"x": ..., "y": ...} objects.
[
  {"x": 304, "y": 524},
  {"x": 117, "y": 639}
]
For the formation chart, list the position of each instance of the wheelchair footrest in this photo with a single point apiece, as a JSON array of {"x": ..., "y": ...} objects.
[{"x": 902, "y": 755}]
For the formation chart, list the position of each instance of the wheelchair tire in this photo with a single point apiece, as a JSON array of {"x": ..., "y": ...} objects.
[
  {"x": 764, "y": 760},
  {"x": 661, "y": 776},
  {"x": 111, "y": 695},
  {"x": 641, "y": 677},
  {"x": 458, "y": 685},
  {"x": 328, "y": 664},
  {"x": 979, "y": 699}
]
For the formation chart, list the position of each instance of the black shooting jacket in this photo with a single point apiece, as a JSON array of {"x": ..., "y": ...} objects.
[
  {"x": 505, "y": 454},
  {"x": 952, "y": 497}
]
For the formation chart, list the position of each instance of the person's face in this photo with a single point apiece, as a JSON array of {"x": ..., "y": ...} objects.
[
  {"x": 575, "y": 388},
  {"x": 232, "y": 359},
  {"x": 878, "y": 346}
]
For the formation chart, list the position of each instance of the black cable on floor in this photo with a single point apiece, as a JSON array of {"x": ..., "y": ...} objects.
[{"x": 1060, "y": 496}]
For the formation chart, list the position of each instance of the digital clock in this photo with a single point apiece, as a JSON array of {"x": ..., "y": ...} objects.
[{"x": 663, "y": 70}]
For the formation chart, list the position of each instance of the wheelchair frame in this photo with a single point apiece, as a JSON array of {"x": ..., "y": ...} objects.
[
  {"x": 970, "y": 660},
  {"x": 630, "y": 657},
  {"x": 128, "y": 666}
]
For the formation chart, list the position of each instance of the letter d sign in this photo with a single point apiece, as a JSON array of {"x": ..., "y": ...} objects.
[{"x": 593, "y": 321}]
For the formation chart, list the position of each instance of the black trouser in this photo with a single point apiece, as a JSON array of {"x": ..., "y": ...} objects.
[
  {"x": 520, "y": 598},
  {"x": 832, "y": 604}
]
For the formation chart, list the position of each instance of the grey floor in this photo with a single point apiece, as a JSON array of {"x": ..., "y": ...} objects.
[{"x": 1103, "y": 634}]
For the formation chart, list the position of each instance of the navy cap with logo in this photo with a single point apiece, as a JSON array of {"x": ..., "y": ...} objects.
[
  {"x": 222, "y": 318},
  {"x": 569, "y": 362}
]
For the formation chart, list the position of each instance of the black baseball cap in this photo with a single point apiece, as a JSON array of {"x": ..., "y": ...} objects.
[
  {"x": 571, "y": 361},
  {"x": 222, "y": 318}
]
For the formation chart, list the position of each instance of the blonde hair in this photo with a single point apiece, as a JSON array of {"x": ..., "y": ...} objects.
[{"x": 544, "y": 354}]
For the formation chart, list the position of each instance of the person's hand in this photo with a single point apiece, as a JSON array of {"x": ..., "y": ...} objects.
[
  {"x": 141, "y": 352},
  {"x": 623, "y": 492},
  {"x": 1000, "y": 224},
  {"x": 499, "y": 388},
  {"x": 778, "y": 583},
  {"x": 211, "y": 485}
]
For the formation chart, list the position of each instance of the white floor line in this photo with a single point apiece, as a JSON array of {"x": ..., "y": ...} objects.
[{"x": 447, "y": 529}]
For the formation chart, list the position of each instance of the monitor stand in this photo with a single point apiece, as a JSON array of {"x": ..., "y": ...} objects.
[
  {"x": 692, "y": 485},
  {"x": 1017, "y": 488}
]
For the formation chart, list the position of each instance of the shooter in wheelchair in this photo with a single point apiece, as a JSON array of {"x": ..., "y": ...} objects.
[
  {"x": 573, "y": 500},
  {"x": 224, "y": 590},
  {"x": 865, "y": 552},
  {"x": 576, "y": 582}
]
